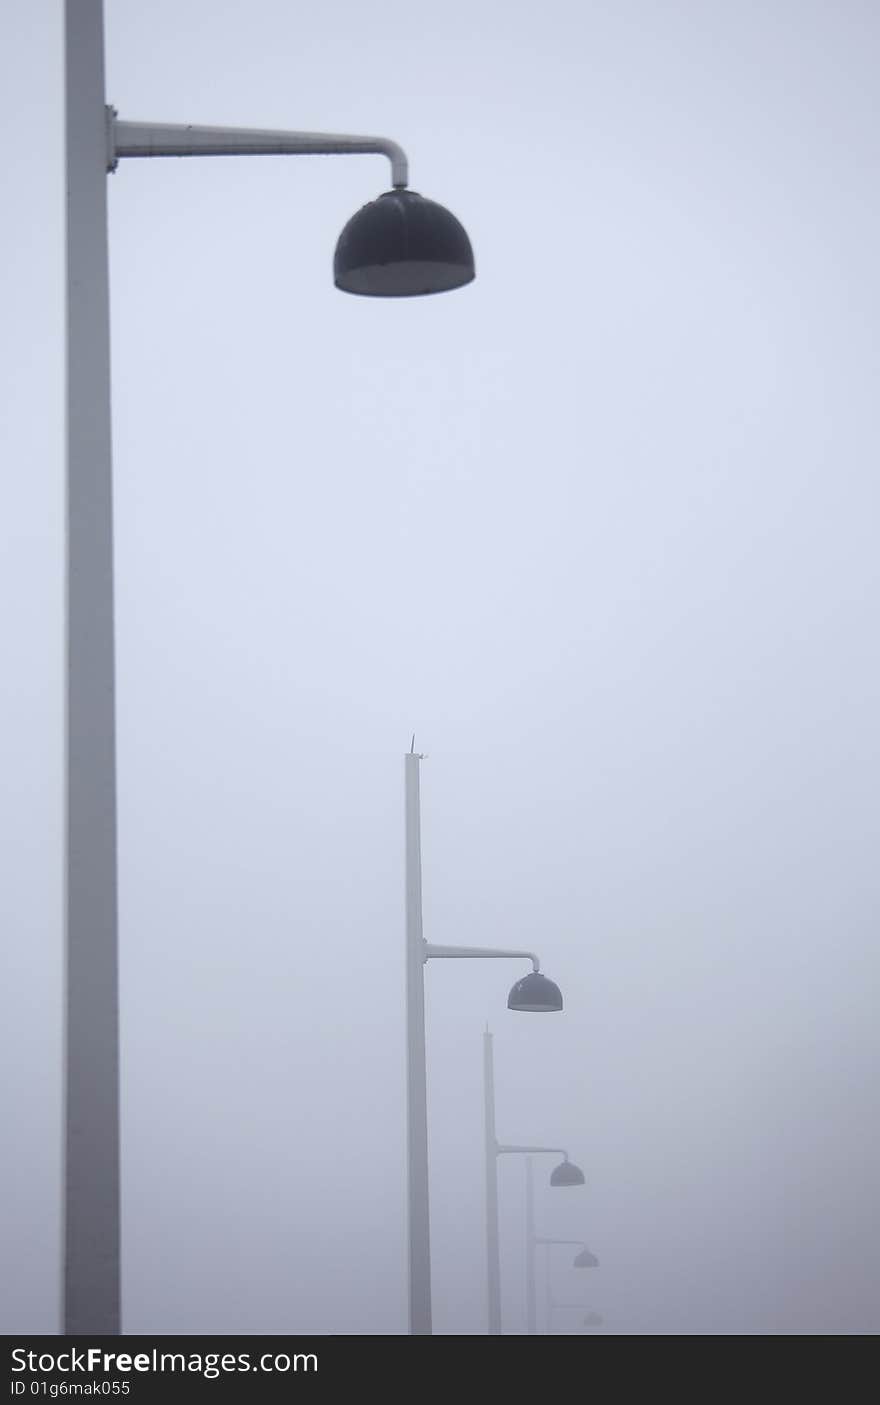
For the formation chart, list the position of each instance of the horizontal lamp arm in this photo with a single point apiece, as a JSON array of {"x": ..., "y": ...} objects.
[
  {"x": 431, "y": 950},
  {"x": 578, "y": 1242},
  {"x": 162, "y": 139},
  {"x": 501, "y": 1150}
]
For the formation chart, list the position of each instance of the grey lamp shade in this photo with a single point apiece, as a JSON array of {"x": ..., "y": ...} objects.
[
  {"x": 566, "y": 1173},
  {"x": 586, "y": 1260},
  {"x": 402, "y": 246},
  {"x": 592, "y": 1319},
  {"x": 535, "y": 992}
]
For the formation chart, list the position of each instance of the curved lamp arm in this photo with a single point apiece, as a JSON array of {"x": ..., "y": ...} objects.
[
  {"x": 431, "y": 950},
  {"x": 164, "y": 139}
]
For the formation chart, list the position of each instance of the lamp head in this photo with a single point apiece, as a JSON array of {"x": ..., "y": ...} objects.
[
  {"x": 535, "y": 992},
  {"x": 592, "y": 1319},
  {"x": 566, "y": 1173},
  {"x": 402, "y": 245},
  {"x": 586, "y": 1260}
]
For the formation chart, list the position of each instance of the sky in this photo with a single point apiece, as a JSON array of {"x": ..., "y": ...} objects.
[{"x": 600, "y": 528}]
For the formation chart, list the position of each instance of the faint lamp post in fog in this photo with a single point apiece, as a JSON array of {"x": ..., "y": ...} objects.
[
  {"x": 400, "y": 245},
  {"x": 533, "y": 993},
  {"x": 582, "y": 1260},
  {"x": 592, "y": 1319},
  {"x": 565, "y": 1174}
]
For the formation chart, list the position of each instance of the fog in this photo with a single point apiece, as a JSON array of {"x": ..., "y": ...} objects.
[{"x": 600, "y": 529}]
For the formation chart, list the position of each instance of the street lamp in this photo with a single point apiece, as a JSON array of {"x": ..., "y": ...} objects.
[
  {"x": 543, "y": 997},
  {"x": 582, "y": 1260},
  {"x": 402, "y": 245},
  {"x": 563, "y": 1174},
  {"x": 566, "y": 1173},
  {"x": 592, "y": 1319}
]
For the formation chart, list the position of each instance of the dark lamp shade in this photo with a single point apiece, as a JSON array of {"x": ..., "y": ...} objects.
[
  {"x": 402, "y": 246},
  {"x": 535, "y": 992},
  {"x": 566, "y": 1173}
]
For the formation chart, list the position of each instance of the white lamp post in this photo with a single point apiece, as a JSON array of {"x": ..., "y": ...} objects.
[{"x": 399, "y": 245}]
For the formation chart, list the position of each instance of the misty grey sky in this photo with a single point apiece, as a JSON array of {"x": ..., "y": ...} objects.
[{"x": 601, "y": 528}]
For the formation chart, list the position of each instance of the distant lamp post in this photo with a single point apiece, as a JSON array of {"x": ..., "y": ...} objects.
[
  {"x": 582, "y": 1260},
  {"x": 566, "y": 1174},
  {"x": 400, "y": 246},
  {"x": 418, "y": 952},
  {"x": 592, "y": 1319}
]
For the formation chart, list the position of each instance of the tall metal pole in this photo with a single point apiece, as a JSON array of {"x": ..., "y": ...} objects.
[
  {"x": 531, "y": 1287},
  {"x": 493, "y": 1260},
  {"x": 91, "y": 1156},
  {"x": 416, "y": 1080}
]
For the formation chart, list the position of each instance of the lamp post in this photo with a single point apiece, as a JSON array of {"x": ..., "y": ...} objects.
[
  {"x": 582, "y": 1260},
  {"x": 592, "y": 1319},
  {"x": 565, "y": 1174},
  {"x": 399, "y": 245},
  {"x": 533, "y": 992}
]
